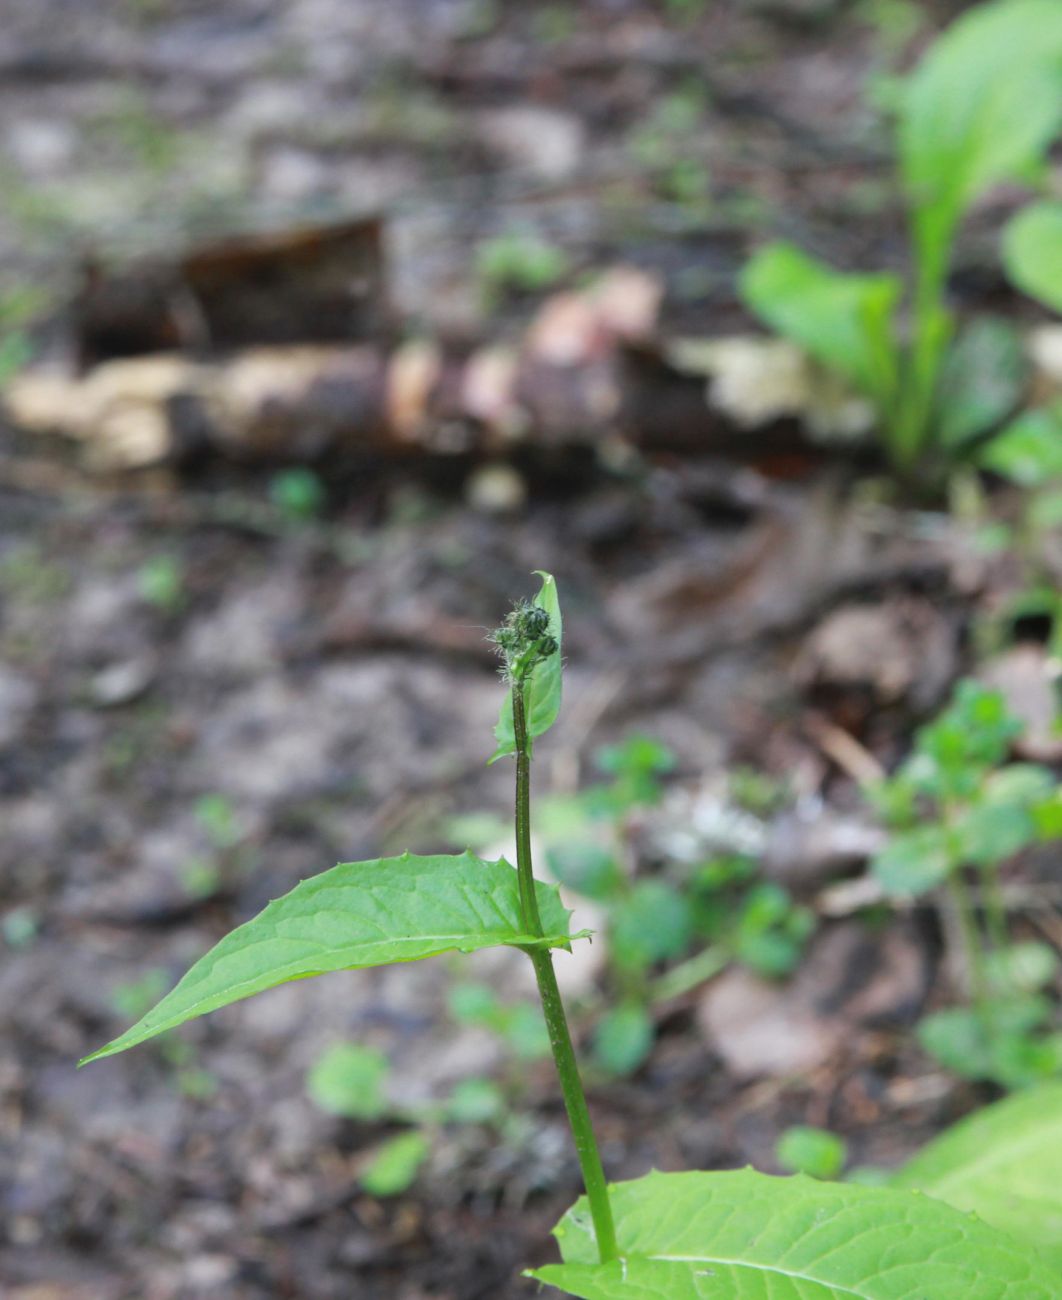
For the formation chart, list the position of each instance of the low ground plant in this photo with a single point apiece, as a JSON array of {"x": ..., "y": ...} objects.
[
  {"x": 673, "y": 926},
  {"x": 959, "y": 812},
  {"x": 353, "y": 1082},
  {"x": 675, "y": 1236},
  {"x": 981, "y": 108}
]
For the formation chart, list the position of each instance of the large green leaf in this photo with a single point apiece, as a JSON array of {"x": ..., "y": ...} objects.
[
  {"x": 981, "y": 107},
  {"x": 544, "y": 689},
  {"x": 357, "y": 914},
  {"x": 1003, "y": 1163},
  {"x": 1032, "y": 252},
  {"x": 746, "y": 1236},
  {"x": 843, "y": 321}
]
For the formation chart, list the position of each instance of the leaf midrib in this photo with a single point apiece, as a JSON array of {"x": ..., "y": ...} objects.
[{"x": 760, "y": 1268}]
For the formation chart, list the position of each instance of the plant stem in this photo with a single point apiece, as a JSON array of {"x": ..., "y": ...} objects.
[
  {"x": 995, "y": 909},
  {"x": 524, "y": 873},
  {"x": 973, "y": 953},
  {"x": 560, "y": 1038}
]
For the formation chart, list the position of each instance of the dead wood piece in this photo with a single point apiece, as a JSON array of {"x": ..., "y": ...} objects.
[
  {"x": 575, "y": 380},
  {"x": 311, "y": 284}
]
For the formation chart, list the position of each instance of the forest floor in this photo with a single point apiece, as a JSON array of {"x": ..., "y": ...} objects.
[{"x": 325, "y": 685}]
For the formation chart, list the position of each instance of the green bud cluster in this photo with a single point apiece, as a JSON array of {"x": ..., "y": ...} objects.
[{"x": 524, "y": 640}]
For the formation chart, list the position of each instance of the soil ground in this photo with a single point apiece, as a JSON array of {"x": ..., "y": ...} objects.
[{"x": 328, "y": 684}]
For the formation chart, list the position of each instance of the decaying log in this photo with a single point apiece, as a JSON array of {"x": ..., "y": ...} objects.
[
  {"x": 584, "y": 371},
  {"x": 305, "y": 285}
]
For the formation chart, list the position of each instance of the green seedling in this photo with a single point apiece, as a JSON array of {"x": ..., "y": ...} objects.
[
  {"x": 20, "y": 309},
  {"x": 19, "y": 927},
  {"x": 133, "y": 999},
  {"x": 518, "y": 263},
  {"x": 352, "y": 1082},
  {"x": 203, "y": 875},
  {"x": 734, "y": 1236},
  {"x": 959, "y": 812},
  {"x": 656, "y": 921},
  {"x": 665, "y": 145},
  {"x": 161, "y": 583},
  {"x": 518, "y": 1024},
  {"x": 298, "y": 494},
  {"x": 811, "y": 1151},
  {"x": 1027, "y": 454},
  {"x": 981, "y": 108}
]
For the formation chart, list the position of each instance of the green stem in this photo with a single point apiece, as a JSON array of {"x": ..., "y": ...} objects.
[
  {"x": 560, "y": 1037},
  {"x": 995, "y": 909},
  {"x": 973, "y": 953},
  {"x": 560, "y": 1040},
  {"x": 524, "y": 873}
]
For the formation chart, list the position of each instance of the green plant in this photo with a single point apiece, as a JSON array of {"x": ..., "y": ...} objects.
[
  {"x": 653, "y": 921},
  {"x": 1002, "y": 1164},
  {"x": 981, "y": 108},
  {"x": 518, "y": 1024},
  {"x": 518, "y": 262},
  {"x": 742, "y": 1235},
  {"x": 959, "y": 812},
  {"x": 666, "y": 143},
  {"x": 811, "y": 1151},
  {"x": 351, "y": 1082},
  {"x": 1027, "y": 454},
  {"x": 132, "y": 999},
  {"x": 20, "y": 308},
  {"x": 297, "y": 493},
  {"x": 161, "y": 583}
]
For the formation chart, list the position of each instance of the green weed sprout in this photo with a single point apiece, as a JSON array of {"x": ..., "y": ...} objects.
[
  {"x": 959, "y": 812},
  {"x": 981, "y": 108},
  {"x": 738, "y": 1235}
]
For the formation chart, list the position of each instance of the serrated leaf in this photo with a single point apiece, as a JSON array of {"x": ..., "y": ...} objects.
[
  {"x": 1003, "y": 1164},
  {"x": 747, "y": 1236},
  {"x": 357, "y": 914},
  {"x": 544, "y": 689},
  {"x": 980, "y": 108},
  {"x": 1032, "y": 252},
  {"x": 843, "y": 321}
]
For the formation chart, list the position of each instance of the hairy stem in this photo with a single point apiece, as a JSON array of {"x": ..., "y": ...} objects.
[
  {"x": 560, "y": 1038},
  {"x": 525, "y": 875}
]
